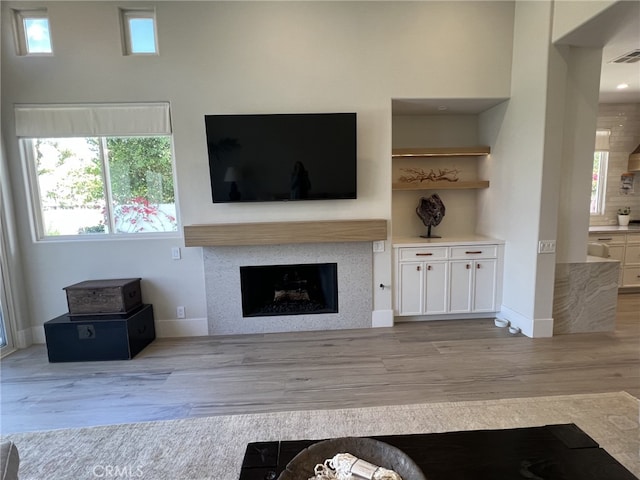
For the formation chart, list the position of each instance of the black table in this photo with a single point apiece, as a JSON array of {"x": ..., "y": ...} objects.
[{"x": 552, "y": 452}]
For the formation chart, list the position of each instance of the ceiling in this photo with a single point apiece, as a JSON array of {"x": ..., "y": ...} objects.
[
  {"x": 618, "y": 29},
  {"x": 624, "y": 39}
]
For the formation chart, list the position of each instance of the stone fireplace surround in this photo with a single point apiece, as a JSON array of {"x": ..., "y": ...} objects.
[
  {"x": 227, "y": 247},
  {"x": 222, "y": 285}
]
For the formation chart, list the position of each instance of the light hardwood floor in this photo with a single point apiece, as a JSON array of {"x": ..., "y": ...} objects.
[{"x": 409, "y": 363}]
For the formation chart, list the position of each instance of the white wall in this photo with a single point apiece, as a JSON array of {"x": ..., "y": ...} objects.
[
  {"x": 623, "y": 119},
  {"x": 237, "y": 57},
  {"x": 516, "y": 131},
  {"x": 581, "y": 101},
  {"x": 570, "y": 15}
]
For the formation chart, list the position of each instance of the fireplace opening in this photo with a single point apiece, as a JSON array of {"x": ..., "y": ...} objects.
[{"x": 269, "y": 290}]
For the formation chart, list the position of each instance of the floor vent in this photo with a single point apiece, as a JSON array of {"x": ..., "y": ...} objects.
[{"x": 630, "y": 57}]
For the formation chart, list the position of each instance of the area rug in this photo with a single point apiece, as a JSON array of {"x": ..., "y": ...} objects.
[{"x": 213, "y": 447}]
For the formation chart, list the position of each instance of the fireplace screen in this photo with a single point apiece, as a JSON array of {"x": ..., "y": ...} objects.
[{"x": 289, "y": 289}]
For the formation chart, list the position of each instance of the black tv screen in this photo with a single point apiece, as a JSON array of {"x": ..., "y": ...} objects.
[{"x": 282, "y": 157}]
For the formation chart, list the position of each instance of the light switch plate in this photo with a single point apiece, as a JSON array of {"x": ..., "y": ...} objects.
[
  {"x": 547, "y": 246},
  {"x": 378, "y": 246}
]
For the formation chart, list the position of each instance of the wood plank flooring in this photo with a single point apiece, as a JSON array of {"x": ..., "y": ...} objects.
[{"x": 409, "y": 363}]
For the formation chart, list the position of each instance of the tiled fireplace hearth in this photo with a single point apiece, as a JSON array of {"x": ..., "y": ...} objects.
[{"x": 353, "y": 261}]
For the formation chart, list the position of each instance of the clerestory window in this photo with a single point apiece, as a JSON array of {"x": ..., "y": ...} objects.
[
  {"x": 139, "y": 31},
  {"x": 32, "y": 32}
]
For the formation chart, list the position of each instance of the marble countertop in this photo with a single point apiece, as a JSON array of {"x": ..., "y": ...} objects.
[
  {"x": 593, "y": 259},
  {"x": 614, "y": 228},
  {"x": 453, "y": 240}
]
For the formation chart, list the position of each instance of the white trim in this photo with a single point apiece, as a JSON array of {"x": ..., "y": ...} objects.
[
  {"x": 190, "y": 327},
  {"x": 531, "y": 327},
  {"x": 382, "y": 318},
  {"x": 127, "y": 14},
  {"x": 92, "y": 119},
  {"x": 602, "y": 140},
  {"x": 20, "y": 34}
]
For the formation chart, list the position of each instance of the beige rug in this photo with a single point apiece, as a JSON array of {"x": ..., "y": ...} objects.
[{"x": 213, "y": 447}]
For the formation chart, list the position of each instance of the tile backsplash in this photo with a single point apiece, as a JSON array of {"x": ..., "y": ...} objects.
[{"x": 623, "y": 120}]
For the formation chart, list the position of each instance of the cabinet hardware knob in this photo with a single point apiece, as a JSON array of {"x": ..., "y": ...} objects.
[
  {"x": 477, "y": 265},
  {"x": 474, "y": 253},
  {"x": 418, "y": 268},
  {"x": 468, "y": 266},
  {"x": 428, "y": 267}
]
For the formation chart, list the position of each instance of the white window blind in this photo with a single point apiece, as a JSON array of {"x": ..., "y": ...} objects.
[
  {"x": 83, "y": 120},
  {"x": 602, "y": 140}
]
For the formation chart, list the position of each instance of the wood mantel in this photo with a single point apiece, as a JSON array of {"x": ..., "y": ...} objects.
[{"x": 275, "y": 233}]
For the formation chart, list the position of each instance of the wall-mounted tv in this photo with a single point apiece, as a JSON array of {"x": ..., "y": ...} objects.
[{"x": 282, "y": 157}]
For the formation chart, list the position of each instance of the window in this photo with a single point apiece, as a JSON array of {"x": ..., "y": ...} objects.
[
  {"x": 599, "y": 182},
  {"x": 110, "y": 184},
  {"x": 32, "y": 32},
  {"x": 599, "y": 176},
  {"x": 138, "y": 31}
]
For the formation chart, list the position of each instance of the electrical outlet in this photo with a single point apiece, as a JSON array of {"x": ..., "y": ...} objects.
[
  {"x": 175, "y": 253},
  {"x": 180, "y": 312},
  {"x": 378, "y": 246},
  {"x": 547, "y": 246}
]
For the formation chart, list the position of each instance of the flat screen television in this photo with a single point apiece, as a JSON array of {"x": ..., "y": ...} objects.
[{"x": 282, "y": 157}]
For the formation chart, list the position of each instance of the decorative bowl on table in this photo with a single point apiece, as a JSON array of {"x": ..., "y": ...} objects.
[{"x": 302, "y": 466}]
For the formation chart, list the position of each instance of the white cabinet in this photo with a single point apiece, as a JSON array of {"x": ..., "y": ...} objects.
[
  {"x": 447, "y": 279},
  {"x": 624, "y": 247},
  {"x": 631, "y": 268},
  {"x": 422, "y": 280}
]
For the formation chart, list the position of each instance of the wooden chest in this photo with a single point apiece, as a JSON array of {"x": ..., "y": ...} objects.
[
  {"x": 102, "y": 337},
  {"x": 119, "y": 295}
]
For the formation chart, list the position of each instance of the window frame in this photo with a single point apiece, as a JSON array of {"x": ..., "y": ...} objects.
[
  {"x": 34, "y": 203},
  {"x": 601, "y": 192},
  {"x": 127, "y": 14},
  {"x": 20, "y": 32}
]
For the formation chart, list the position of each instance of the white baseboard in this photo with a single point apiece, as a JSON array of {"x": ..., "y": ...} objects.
[
  {"x": 533, "y": 328},
  {"x": 187, "y": 327},
  {"x": 26, "y": 337},
  {"x": 382, "y": 318}
]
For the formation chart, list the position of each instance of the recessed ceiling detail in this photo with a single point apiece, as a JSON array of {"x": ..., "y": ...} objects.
[{"x": 630, "y": 57}]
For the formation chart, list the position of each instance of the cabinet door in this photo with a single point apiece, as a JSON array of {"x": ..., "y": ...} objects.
[
  {"x": 484, "y": 285},
  {"x": 631, "y": 276},
  {"x": 632, "y": 255},
  {"x": 410, "y": 288},
  {"x": 460, "y": 286},
  {"x": 435, "y": 288}
]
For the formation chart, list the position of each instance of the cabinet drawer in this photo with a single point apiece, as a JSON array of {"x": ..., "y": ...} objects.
[
  {"x": 608, "y": 238},
  {"x": 631, "y": 277},
  {"x": 474, "y": 251},
  {"x": 422, "y": 253},
  {"x": 632, "y": 255},
  {"x": 633, "y": 238}
]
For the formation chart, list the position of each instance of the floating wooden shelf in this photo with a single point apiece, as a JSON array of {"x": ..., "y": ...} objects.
[
  {"x": 442, "y": 185},
  {"x": 441, "y": 152},
  {"x": 276, "y": 233}
]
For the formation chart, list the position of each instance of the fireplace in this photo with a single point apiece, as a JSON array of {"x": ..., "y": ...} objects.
[
  {"x": 352, "y": 304},
  {"x": 300, "y": 289}
]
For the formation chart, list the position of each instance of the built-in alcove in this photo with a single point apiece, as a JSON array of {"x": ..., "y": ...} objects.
[{"x": 447, "y": 131}]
